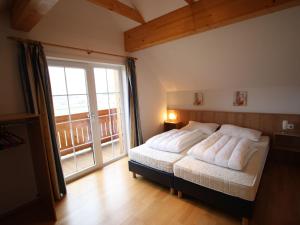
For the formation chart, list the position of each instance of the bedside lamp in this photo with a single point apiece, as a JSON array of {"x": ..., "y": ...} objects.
[
  {"x": 172, "y": 116},
  {"x": 172, "y": 122}
]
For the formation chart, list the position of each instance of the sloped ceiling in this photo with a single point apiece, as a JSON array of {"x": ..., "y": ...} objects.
[
  {"x": 259, "y": 52},
  {"x": 82, "y": 16},
  {"x": 80, "y": 21},
  {"x": 98, "y": 15},
  {"x": 83, "y": 24}
]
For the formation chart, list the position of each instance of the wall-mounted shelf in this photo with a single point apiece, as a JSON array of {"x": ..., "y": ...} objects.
[{"x": 17, "y": 118}]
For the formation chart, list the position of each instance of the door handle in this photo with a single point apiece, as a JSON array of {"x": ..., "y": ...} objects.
[{"x": 92, "y": 116}]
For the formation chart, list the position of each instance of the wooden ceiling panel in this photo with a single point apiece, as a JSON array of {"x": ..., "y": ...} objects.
[
  {"x": 200, "y": 16},
  {"x": 189, "y": 1},
  {"x": 25, "y": 14}
]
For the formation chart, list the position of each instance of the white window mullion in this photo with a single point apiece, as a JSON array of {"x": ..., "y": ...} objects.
[{"x": 96, "y": 129}]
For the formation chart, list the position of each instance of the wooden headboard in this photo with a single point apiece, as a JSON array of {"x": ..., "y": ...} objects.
[{"x": 268, "y": 123}]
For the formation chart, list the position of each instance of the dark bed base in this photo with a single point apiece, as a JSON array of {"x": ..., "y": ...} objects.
[
  {"x": 158, "y": 176},
  {"x": 233, "y": 205}
]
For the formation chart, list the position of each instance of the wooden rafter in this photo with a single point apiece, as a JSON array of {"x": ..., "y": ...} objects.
[
  {"x": 120, "y": 8},
  {"x": 190, "y": 1},
  {"x": 200, "y": 16},
  {"x": 25, "y": 14}
]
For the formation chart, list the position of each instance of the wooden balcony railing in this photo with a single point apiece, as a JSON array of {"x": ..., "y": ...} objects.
[{"x": 79, "y": 126}]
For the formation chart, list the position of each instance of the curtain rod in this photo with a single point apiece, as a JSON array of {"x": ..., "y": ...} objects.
[{"x": 88, "y": 51}]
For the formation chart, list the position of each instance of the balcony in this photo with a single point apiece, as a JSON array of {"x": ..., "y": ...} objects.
[{"x": 77, "y": 152}]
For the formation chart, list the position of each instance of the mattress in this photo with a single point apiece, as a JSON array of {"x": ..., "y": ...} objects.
[
  {"x": 242, "y": 184},
  {"x": 156, "y": 159}
]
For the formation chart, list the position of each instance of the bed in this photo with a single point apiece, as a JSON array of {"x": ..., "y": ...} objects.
[
  {"x": 156, "y": 164},
  {"x": 231, "y": 190}
]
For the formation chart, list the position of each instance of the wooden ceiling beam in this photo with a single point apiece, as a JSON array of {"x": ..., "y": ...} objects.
[
  {"x": 189, "y": 1},
  {"x": 25, "y": 14},
  {"x": 200, "y": 16},
  {"x": 120, "y": 8}
]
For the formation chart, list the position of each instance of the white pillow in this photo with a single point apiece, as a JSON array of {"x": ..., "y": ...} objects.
[
  {"x": 207, "y": 128},
  {"x": 242, "y": 132}
]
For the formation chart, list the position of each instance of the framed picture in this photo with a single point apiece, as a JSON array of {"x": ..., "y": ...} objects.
[
  {"x": 198, "y": 98},
  {"x": 240, "y": 98}
]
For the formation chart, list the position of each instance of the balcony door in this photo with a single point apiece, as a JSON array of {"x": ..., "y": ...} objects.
[{"x": 89, "y": 115}]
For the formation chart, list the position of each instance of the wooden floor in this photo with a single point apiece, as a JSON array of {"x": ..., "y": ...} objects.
[
  {"x": 278, "y": 200},
  {"x": 112, "y": 196}
]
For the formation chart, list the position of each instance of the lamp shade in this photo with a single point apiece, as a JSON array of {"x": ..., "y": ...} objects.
[{"x": 172, "y": 116}]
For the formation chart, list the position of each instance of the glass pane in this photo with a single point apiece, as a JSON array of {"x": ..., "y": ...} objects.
[
  {"x": 100, "y": 80},
  {"x": 105, "y": 129},
  {"x": 113, "y": 80},
  {"x": 57, "y": 79},
  {"x": 114, "y": 102},
  {"x": 76, "y": 81},
  {"x": 60, "y": 105},
  {"x": 117, "y": 135},
  {"x": 82, "y": 137},
  {"x": 64, "y": 140},
  {"x": 85, "y": 158},
  {"x": 68, "y": 164},
  {"x": 107, "y": 152},
  {"x": 117, "y": 148},
  {"x": 102, "y": 102},
  {"x": 114, "y": 124},
  {"x": 82, "y": 132},
  {"x": 78, "y": 104},
  {"x": 66, "y": 149}
]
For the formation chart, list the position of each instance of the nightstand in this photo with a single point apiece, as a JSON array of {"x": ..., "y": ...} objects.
[
  {"x": 286, "y": 146},
  {"x": 169, "y": 125},
  {"x": 287, "y": 141}
]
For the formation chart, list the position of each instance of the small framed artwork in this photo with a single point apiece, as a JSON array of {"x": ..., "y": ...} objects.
[
  {"x": 240, "y": 98},
  {"x": 198, "y": 98}
]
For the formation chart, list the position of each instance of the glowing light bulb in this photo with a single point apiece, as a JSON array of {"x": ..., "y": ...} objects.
[{"x": 172, "y": 116}]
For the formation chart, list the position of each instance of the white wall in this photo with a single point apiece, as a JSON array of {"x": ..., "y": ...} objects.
[
  {"x": 263, "y": 100},
  {"x": 260, "y": 55},
  {"x": 152, "y": 98}
]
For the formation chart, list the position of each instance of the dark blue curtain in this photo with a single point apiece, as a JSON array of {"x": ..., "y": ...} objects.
[
  {"x": 38, "y": 99},
  {"x": 136, "y": 137}
]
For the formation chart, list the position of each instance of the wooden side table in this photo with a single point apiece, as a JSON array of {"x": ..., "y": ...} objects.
[
  {"x": 286, "y": 146},
  {"x": 169, "y": 125}
]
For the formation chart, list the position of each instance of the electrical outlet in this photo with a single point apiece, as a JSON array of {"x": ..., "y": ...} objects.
[{"x": 290, "y": 126}]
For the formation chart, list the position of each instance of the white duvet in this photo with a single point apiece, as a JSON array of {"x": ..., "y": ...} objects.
[
  {"x": 175, "y": 140},
  {"x": 224, "y": 150}
]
